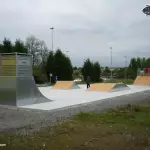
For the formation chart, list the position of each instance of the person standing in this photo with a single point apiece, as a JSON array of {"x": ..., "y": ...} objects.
[
  {"x": 88, "y": 80},
  {"x": 56, "y": 78}
]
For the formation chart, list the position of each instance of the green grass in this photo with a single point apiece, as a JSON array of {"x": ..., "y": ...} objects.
[{"x": 126, "y": 128}]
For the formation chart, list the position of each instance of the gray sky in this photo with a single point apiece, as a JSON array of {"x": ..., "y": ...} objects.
[{"x": 85, "y": 28}]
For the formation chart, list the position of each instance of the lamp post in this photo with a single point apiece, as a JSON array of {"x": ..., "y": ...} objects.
[
  {"x": 125, "y": 59},
  {"x": 52, "y": 29},
  {"x": 111, "y": 61}
]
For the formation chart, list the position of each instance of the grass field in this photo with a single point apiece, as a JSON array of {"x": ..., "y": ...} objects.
[{"x": 126, "y": 128}]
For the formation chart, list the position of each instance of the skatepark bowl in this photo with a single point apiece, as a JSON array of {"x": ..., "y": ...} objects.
[{"x": 74, "y": 97}]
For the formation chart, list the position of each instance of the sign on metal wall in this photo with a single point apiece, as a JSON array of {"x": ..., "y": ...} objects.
[{"x": 24, "y": 65}]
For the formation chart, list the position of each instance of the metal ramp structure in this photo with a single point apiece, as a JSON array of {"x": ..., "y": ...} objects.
[
  {"x": 17, "y": 85},
  {"x": 108, "y": 87},
  {"x": 66, "y": 85},
  {"x": 142, "y": 80}
]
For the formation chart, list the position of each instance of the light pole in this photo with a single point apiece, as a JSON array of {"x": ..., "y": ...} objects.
[
  {"x": 125, "y": 59},
  {"x": 111, "y": 61},
  {"x": 52, "y": 29}
]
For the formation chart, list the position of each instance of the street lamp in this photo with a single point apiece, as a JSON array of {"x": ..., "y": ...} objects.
[
  {"x": 52, "y": 29},
  {"x": 125, "y": 59},
  {"x": 111, "y": 61}
]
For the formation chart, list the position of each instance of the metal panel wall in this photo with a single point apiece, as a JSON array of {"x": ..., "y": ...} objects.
[
  {"x": 24, "y": 66},
  {"x": 28, "y": 93},
  {"x": 17, "y": 86},
  {"x": 0, "y": 65}
]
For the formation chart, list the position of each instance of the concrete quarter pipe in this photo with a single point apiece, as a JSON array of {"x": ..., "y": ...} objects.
[
  {"x": 108, "y": 87},
  {"x": 65, "y": 85},
  {"x": 17, "y": 86}
]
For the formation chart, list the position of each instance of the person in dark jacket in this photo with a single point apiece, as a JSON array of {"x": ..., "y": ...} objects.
[{"x": 88, "y": 80}]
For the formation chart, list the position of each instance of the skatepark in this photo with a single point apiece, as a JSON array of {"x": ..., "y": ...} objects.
[
  {"x": 19, "y": 89},
  {"x": 20, "y": 96},
  {"x": 64, "y": 98}
]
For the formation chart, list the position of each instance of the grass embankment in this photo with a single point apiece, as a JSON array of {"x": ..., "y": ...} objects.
[{"x": 125, "y": 128}]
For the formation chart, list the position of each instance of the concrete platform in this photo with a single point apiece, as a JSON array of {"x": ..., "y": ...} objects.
[{"x": 67, "y": 98}]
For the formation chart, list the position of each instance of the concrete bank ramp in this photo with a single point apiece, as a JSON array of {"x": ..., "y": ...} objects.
[
  {"x": 66, "y": 85},
  {"x": 142, "y": 80},
  {"x": 108, "y": 87},
  {"x": 20, "y": 91}
]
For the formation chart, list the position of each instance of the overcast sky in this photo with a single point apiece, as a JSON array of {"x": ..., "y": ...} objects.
[{"x": 85, "y": 28}]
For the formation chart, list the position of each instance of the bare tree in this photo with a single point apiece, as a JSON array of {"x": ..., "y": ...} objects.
[
  {"x": 38, "y": 49},
  {"x": 33, "y": 46},
  {"x": 43, "y": 52}
]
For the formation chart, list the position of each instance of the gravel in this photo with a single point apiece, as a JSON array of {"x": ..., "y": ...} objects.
[{"x": 25, "y": 121}]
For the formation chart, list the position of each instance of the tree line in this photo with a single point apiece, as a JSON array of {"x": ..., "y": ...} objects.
[
  {"x": 129, "y": 72},
  {"x": 46, "y": 62},
  {"x": 136, "y": 63}
]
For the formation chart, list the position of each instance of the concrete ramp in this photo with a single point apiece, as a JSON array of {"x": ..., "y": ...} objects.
[
  {"x": 108, "y": 87},
  {"x": 65, "y": 85},
  {"x": 20, "y": 91},
  {"x": 142, "y": 80}
]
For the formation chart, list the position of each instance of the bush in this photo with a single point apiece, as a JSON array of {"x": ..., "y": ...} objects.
[{"x": 39, "y": 76}]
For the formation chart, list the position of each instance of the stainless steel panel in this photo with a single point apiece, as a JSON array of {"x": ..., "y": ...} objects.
[
  {"x": 24, "y": 66},
  {"x": 28, "y": 93},
  {"x": 0, "y": 65}
]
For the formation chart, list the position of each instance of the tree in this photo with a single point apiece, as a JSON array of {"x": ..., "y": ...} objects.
[
  {"x": 19, "y": 47},
  {"x": 133, "y": 64},
  {"x": 147, "y": 64},
  {"x": 1, "y": 48},
  {"x": 59, "y": 65},
  {"x": 143, "y": 62},
  {"x": 75, "y": 68},
  {"x": 131, "y": 73},
  {"x": 49, "y": 67},
  {"x": 43, "y": 52},
  {"x": 133, "y": 67},
  {"x": 62, "y": 66},
  {"x": 7, "y": 46},
  {"x": 33, "y": 47},
  {"x": 106, "y": 72},
  {"x": 87, "y": 69},
  {"x": 139, "y": 62},
  {"x": 96, "y": 72},
  {"x": 121, "y": 73},
  {"x": 91, "y": 69}
]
